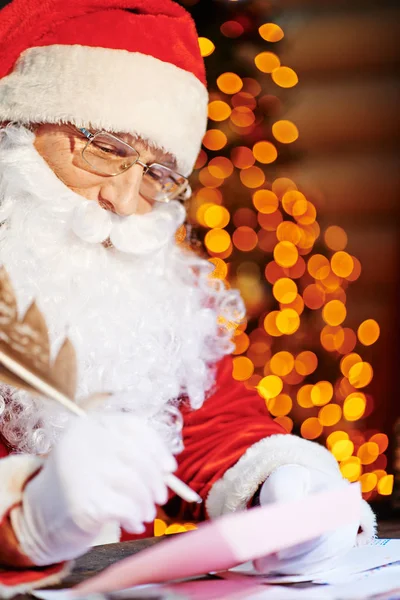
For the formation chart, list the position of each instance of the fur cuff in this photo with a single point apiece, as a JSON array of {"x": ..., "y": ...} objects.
[
  {"x": 15, "y": 470},
  {"x": 239, "y": 484},
  {"x": 17, "y": 582}
]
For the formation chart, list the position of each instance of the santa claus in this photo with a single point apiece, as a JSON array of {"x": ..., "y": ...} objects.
[{"x": 103, "y": 106}]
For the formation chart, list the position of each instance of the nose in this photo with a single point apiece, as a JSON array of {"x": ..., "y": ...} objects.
[{"x": 122, "y": 195}]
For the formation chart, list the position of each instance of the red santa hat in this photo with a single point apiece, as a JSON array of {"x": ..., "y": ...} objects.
[{"x": 129, "y": 66}]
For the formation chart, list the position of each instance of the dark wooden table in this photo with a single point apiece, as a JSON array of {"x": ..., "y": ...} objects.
[{"x": 101, "y": 557}]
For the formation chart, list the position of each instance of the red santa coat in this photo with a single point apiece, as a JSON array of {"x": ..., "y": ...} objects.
[{"x": 231, "y": 446}]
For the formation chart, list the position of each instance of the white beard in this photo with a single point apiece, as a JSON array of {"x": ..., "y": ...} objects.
[{"x": 144, "y": 316}]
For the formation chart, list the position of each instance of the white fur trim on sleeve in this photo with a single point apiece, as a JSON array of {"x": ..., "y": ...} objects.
[
  {"x": 9, "y": 591},
  {"x": 239, "y": 484},
  {"x": 15, "y": 470},
  {"x": 108, "y": 89}
]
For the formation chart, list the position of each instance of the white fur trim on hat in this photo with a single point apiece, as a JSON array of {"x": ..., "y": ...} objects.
[
  {"x": 239, "y": 484},
  {"x": 112, "y": 90}
]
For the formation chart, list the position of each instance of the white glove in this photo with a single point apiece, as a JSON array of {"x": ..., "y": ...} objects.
[
  {"x": 292, "y": 482},
  {"x": 106, "y": 468}
]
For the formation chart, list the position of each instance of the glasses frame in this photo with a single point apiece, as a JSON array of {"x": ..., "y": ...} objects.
[{"x": 92, "y": 136}]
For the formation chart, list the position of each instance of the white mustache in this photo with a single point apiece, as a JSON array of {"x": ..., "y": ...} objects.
[{"x": 135, "y": 234}]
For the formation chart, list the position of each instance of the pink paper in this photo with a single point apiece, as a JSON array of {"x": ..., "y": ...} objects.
[{"x": 232, "y": 539}]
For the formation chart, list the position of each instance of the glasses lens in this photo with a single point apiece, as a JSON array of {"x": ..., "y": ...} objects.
[
  {"x": 162, "y": 184},
  {"x": 108, "y": 155}
]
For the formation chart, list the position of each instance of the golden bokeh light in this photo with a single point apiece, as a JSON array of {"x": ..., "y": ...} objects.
[
  {"x": 279, "y": 406},
  {"x": 244, "y": 99},
  {"x": 214, "y": 139},
  {"x": 311, "y": 428},
  {"x": 285, "y": 254},
  {"x": 349, "y": 342},
  {"x": 208, "y": 179},
  {"x": 220, "y": 269},
  {"x": 321, "y": 393},
  {"x": 318, "y": 266},
  {"x": 385, "y": 485},
  {"x": 297, "y": 304},
  {"x": 314, "y": 296},
  {"x": 354, "y": 406},
  {"x": 252, "y": 177},
  {"x": 251, "y": 86},
  {"x": 334, "y": 312},
  {"x": 334, "y": 437},
  {"x": 242, "y": 342},
  {"x": 382, "y": 441},
  {"x": 265, "y": 201},
  {"x": 308, "y": 217},
  {"x": 270, "y": 325},
  {"x": 281, "y": 185},
  {"x": 348, "y": 361},
  {"x": 351, "y": 469},
  {"x": 220, "y": 167},
  {"x": 216, "y": 216},
  {"x": 285, "y": 290},
  {"x": 285, "y": 132},
  {"x": 243, "y": 368},
  {"x": 217, "y": 240},
  {"x": 330, "y": 415},
  {"x": 266, "y": 62},
  {"x": 285, "y": 77},
  {"x": 270, "y": 222},
  {"x": 297, "y": 270},
  {"x": 206, "y": 46},
  {"x": 368, "y": 482},
  {"x": 342, "y": 449},
  {"x": 288, "y": 232},
  {"x": 245, "y": 238},
  {"x": 201, "y": 160},
  {"x": 270, "y": 386},
  {"x": 335, "y": 238},
  {"x": 368, "y": 453},
  {"x": 288, "y": 321},
  {"x": 229, "y": 83},
  {"x": 368, "y": 332},
  {"x": 282, "y": 364},
  {"x": 265, "y": 152},
  {"x": 242, "y": 157},
  {"x": 332, "y": 338},
  {"x": 355, "y": 274},
  {"x": 271, "y": 32},
  {"x": 361, "y": 374},
  {"x": 285, "y": 422},
  {"x": 342, "y": 264},
  {"x": 294, "y": 203},
  {"x": 304, "y": 396},
  {"x": 306, "y": 362},
  {"x": 211, "y": 195},
  {"x": 219, "y": 110},
  {"x": 242, "y": 116}
]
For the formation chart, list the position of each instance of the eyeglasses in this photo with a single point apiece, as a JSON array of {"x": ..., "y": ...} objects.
[{"x": 108, "y": 155}]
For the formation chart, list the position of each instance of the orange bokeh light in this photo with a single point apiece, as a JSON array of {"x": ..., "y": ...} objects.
[
  {"x": 229, "y": 83},
  {"x": 214, "y": 139}
]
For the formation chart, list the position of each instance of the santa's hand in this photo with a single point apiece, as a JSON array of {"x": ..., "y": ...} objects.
[
  {"x": 292, "y": 482},
  {"x": 106, "y": 468}
]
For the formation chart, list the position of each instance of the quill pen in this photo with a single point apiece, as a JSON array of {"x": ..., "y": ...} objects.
[{"x": 25, "y": 363}]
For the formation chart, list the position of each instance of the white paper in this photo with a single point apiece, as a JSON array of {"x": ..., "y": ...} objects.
[{"x": 363, "y": 558}]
